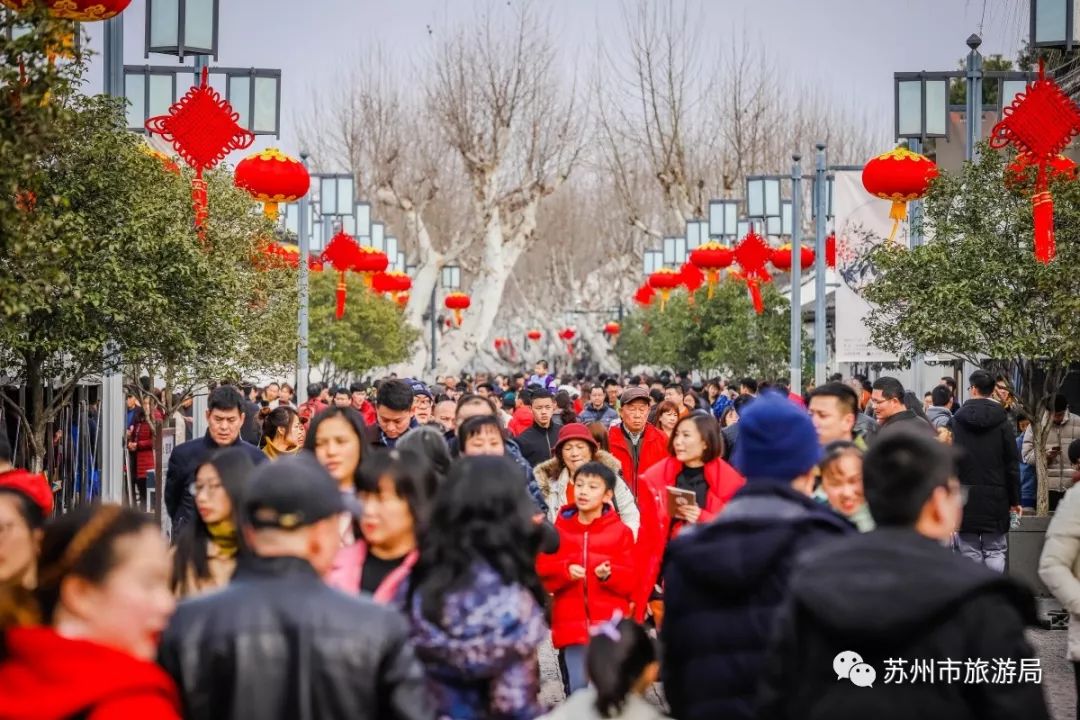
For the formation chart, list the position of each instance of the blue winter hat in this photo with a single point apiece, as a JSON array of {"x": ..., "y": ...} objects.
[{"x": 776, "y": 440}]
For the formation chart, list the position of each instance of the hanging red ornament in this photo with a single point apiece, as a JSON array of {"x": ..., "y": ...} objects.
[
  {"x": 782, "y": 257},
  {"x": 391, "y": 282},
  {"x": 712, "y": 257},
  {"x": 1023, "y": 170},
  {"x": 499, "y": 343},
  {"x": 751, "y": 254},
  {"x": 612, "y": 328},
  {"x": 568, "y": 335},
  {"x": 534, "y": 335},
  {"x": 458, "y": 302},
  {"x": 1040, "y": 122},
  {"x": 77, "y": 10},
  {"x": 830, "y": 250},
  {"x": 664, "y": 280},
  {"x": 369, "y": 261},
  {"x": 272, "y": 177},
  {"x": 314, "y": 264},
  {"x": 402, "y": 299},
  {"x": 644, "y": 295},
  {"x": 899, "y": 176},
  {"x": 692, "y": 278},
  {"x": 203, "y": 129},
  {"x": 342, "y": 252}
]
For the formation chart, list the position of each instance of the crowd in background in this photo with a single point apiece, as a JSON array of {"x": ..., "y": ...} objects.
[{"x": 403, "y": 550}]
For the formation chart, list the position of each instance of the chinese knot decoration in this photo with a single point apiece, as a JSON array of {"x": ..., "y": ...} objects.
[
  {"x": 202, "y": 128},
  {"x": 342, "y": 253},
  {"x": 458, "y": 302},
  {"x": 1040, "y": 122},
  {"x": 272, "y": 177},
  {"x": 712, "y": 257},
  {"x": 534, "y": 335},
  {"x": 782, "y": 257},
  {"x": 751, "y": 254},
  {"x": 665, "y": 280},
  {"x": 77, "y": 10},
  {"x": 899, "y": 176},
  {"x": 691, "y": 278},
  {"x": 644, "y": 295}
]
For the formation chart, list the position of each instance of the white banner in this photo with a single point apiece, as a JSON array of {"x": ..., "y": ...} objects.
[{"x": 861, "y": 222}]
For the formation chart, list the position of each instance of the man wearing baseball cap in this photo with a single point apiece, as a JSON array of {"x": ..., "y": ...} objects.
[
  {"x": 278, "y": 642},
  {"x": 724, "y": 582}
]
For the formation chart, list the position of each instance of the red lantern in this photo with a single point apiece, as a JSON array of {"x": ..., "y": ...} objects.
[
  {"x": 314, "y": 264},
  {"x": 900, "y": 176},
  {"x": 830, "y": 250},
  {"x": 752, "y": 253},
  {"x": 665, "y": 280},
  {"x": 272, "y": 177},
  {"x": 644, "y": 295},
  {"x": 499, "y": 342},
  {"x": 782, "y": 260},
  {"x": 394, "y": 281},
  {"x": 369, "y": 261},
  {"x": 202, "y": 128},
  {"x": 612, "y": 328},
  {"x": 458, "y": 302},
  {"x": 692, "y": 279},
  {"x": 712, "y": 257},
  {"x": 342, "y": 252},
  {"x": 568, "y": 334},
  {"x": 402, "y": 299},
  {"x": 1040, "y": 122},
  {"x": 534, "y": 335},
  {"x": 77, "y": 10}
]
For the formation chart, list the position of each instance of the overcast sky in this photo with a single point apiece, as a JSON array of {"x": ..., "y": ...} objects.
[{"x": 848, "y": 47}]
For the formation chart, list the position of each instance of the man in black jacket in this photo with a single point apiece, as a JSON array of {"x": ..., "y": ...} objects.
[
  {"x": 724, "y": 581},
  {"x": 989, "y": 467},
  {"x": 911, "y": 629},
  {"x": 889, "y": 407},
  {"x": 224, "y": 418},
  {"x": 280, "y": 643},
  {"x": 539, "y": 440}
]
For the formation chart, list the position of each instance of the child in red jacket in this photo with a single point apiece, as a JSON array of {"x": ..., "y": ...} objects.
[{"x": 592, "y": 574}]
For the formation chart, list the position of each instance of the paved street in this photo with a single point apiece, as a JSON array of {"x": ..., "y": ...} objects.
[{"x": 1058, "y": 683}]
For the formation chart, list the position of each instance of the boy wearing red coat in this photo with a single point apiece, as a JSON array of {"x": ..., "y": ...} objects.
[{"x": 592, "y": 575}]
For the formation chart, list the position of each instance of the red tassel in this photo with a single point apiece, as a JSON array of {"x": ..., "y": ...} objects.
[
  {"x": 755, "y": 297},
  {"x": 1043, "y": 210},
  {"x": 340, "y": 312}
]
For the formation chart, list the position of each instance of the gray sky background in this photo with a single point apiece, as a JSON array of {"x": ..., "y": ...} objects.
[{"x": 850, "y": 48}]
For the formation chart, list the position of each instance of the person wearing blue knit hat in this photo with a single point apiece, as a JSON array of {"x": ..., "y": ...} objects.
[{"x": 724, "y": 581}]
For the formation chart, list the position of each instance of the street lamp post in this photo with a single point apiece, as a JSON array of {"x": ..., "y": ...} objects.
[
  {"x": 303, "y": 370},
  {"x": 821, "y": 210},
  {"x": 796, "y": 274}
]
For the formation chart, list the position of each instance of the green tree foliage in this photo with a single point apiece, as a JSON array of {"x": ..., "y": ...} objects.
[
  {"x": 991, "y": 90},
  {"x": 975, "y": 290},
  {"x": 104, "y": 264},
  {"x": 372, "y": 334},
  {"x": 722, "y": 334}
]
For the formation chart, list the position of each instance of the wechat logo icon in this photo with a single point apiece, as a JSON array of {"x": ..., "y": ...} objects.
[{"x": 849, "y": 665}]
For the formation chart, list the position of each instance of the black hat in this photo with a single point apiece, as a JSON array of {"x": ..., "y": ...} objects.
[{"x": 292, "y": 492}]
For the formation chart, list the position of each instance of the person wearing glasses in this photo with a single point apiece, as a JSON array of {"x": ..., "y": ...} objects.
[
  {"x": 898, "y": 593},
  {"x": 206, "y": 550},
  {"x": 989, "y": 467}
]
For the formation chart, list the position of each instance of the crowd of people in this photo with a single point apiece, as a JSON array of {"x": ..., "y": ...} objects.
[{"x": 404, "y": 550}]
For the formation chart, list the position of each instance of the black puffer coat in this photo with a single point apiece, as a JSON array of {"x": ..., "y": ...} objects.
[{"x": 989, "y": 465}]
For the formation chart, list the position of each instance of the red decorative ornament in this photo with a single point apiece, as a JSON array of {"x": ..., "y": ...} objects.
[
  {"x": 712, "y": 257},
  {"x": 272, "y": 177},
  {"x": 534, "y": 335},
  {"x": 692, "y": 278},
  {"x": 782, "y": 257},
  {"x": 342, "y": 252},
  {"x": 394, "y": 283},
  {"x": 458, "y": 302},
  {"x": 899, "y": 176},
  {"x": 314, "y": 264},
  {"x": 568, "y": 335},
  {"x": 1040, "y": 122},
  {"x": 499, "y": 342},
  {"x": 1024, "y": 170},
  {"x": 664, "y": 280},
  {"x": 402, "y": 299},
  {"x": 830, "y": 250},
  {"x": 612, "y": 328},
  {"x": 167, "y": 162},
  {"x": 369, "y": 261},
  {"x": 77, "y": 10},
  {"x": 751, "y": 254},
  {"x": 645, "y": 295},
  {"x": 202, "y": 128}
]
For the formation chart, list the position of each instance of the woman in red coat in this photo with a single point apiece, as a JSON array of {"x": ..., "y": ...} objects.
[
  {"x": 697, "y": 466},
  {"x": 141, "y": 445},
  {"x": 102, "y": 600},
  {"x": 592, "y": 576}
]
